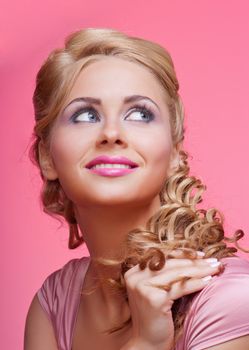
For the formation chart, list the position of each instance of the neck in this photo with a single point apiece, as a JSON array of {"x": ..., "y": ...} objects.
[{"x": 105, "y": 230}]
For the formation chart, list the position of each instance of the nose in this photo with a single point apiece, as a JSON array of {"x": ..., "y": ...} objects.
[{"x": 112, "y": 134}]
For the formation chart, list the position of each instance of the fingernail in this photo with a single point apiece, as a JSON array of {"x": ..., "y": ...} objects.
[
  {"x": 211, "y": 260},
  {"x": 215, "y": 264},
  {"x": 199, "y": 253},
  {"x": 206, "y": 279}
]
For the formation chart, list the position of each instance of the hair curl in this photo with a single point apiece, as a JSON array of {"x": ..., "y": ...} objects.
[{"x": 179, "y": 224}]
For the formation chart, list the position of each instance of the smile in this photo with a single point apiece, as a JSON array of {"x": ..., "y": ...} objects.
[
  {"x": 112, "y": 169},
  {"x": 119, "y": 166},
  {"x": 111, "y": 166}
]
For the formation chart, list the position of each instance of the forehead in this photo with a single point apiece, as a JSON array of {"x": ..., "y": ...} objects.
[{"x": 111, "y": 77}]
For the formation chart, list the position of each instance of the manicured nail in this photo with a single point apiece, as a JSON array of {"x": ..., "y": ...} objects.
[
  {"x": 211, "y": 260},
  {"x": 199, "y": 253},
  {"x": 215, "y": 264},
  {"x": 206, "y": 279}
]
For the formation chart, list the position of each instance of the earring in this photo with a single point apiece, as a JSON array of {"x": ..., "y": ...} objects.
[{"x": 74, "y": 238}]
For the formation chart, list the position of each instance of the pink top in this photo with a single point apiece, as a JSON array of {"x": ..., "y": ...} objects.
[{"x": 218, "y": 313}]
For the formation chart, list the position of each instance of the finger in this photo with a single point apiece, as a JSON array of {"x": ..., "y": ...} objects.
[
  {"x": 174, "y": 263},
  {"x": 176, "y": 254},
  {"x": 193, "y": 285},
  {"x": 170, "y": 264},
  {"x": 173, "y": 276},
  {"x": 180, "y": 253}
]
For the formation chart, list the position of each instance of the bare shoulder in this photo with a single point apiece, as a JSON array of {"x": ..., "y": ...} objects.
[{"x": 39, "y": 334}]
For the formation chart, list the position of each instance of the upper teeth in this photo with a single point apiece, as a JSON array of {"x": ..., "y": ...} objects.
[{"x": 111, "y": 166}]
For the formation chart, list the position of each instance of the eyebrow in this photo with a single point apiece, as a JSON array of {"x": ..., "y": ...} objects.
[{"x": 97, "y": 101}]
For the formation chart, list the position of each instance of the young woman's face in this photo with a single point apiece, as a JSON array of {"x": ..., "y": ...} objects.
[{"x": 138, "y": 130}]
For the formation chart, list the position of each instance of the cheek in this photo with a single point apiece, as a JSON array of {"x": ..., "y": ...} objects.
[
  {"x": 159, "y": 164},
  {"x": 66, "y": 146},
  {"x": 156, "y": 153},
  {"x": 67, "y": 150},
  {"x": 161, "y": 151},
  {"x": 156, "y": 148},
  {"x": 67, "y": 159}
]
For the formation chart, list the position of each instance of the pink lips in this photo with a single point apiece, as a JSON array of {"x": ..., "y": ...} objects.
[{"x": 111, "y": 160}]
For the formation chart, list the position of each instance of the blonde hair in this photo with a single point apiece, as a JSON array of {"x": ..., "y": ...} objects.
[{"x": 179, "y": 224}]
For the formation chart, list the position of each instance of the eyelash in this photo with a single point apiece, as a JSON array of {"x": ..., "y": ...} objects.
[{"x": 137, "y": 108}]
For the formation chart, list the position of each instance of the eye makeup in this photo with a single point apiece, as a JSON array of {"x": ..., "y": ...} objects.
[
  {"x": 143, "y": 108},
  {"x": 82, "y": 110},
  {"x": 147, "y": 111}
]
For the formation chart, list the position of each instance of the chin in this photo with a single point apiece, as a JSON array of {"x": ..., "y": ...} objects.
[{"x": 119, "y": 199}]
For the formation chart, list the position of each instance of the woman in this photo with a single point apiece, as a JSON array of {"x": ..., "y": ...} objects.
[{"x": 108, "y": 140}]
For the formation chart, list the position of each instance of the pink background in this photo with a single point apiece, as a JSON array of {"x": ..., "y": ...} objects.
[{"x": 208, "y": 41}]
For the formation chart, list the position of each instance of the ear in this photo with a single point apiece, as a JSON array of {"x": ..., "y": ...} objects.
[{"x": 46, "y": 162}]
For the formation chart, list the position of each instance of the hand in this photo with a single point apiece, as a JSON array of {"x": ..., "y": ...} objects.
[{"x": 150, "y": 306}]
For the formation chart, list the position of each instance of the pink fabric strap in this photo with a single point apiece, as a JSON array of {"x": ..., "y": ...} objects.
[{"x": 60, "y": 298}]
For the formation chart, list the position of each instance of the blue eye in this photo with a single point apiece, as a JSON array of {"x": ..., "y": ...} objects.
[
  {"x": 142, "y": 111},
  {"x": 86, "y": 114}
]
